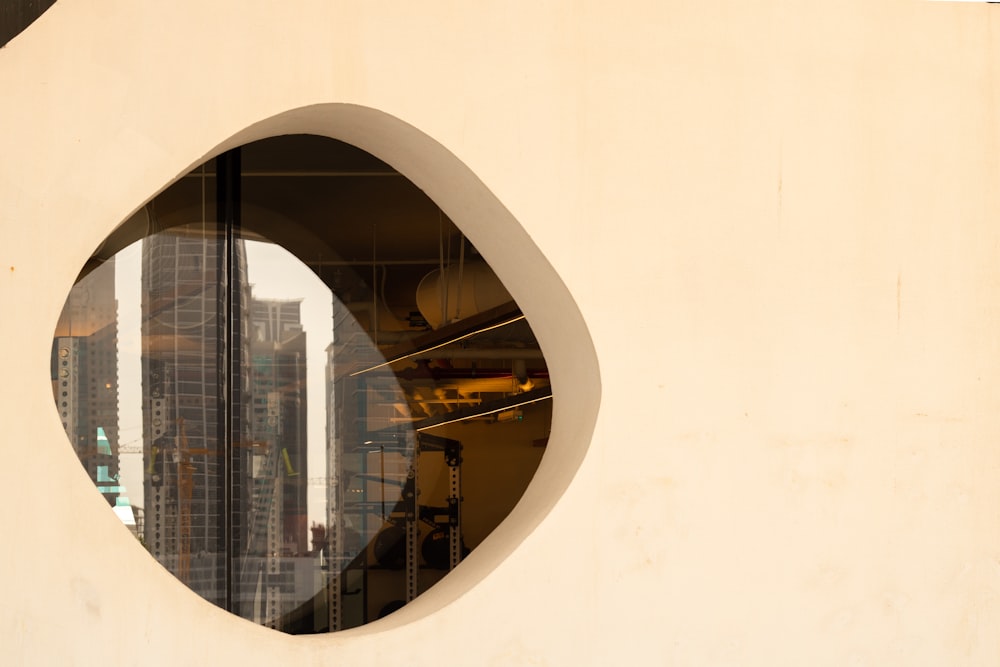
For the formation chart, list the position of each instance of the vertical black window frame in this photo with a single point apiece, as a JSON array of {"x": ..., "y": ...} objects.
[{"x": 228, "y": 198}]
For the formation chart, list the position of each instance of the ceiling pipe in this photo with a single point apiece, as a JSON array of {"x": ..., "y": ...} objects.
[
  {"x": 471, "y": 353},
  {"x": 438, "y": 374}
]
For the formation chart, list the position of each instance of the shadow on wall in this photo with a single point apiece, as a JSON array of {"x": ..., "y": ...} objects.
[{"x": 16, "y": 15}]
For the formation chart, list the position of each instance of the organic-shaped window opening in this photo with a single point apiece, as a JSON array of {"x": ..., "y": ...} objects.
[{"x": 299, "y": 385}]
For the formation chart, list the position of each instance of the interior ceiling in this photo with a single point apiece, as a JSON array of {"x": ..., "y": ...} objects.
[
  {"x": 324, "y": 200},
  {"x": 330, "y": 204},
  {"x": 346, "y": 214},
  {"x": 357, "y": 203}
]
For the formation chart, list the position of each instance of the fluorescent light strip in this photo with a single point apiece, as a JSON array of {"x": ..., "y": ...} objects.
[
  {"x": 488, "y": 412},
  {"x": 440, "y": 345}
]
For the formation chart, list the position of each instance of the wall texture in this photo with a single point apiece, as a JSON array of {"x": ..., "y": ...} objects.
[{"x": 758, "y": 243}]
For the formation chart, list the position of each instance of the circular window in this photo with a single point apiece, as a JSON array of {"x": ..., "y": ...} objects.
[{"x": 316, "y": 397}]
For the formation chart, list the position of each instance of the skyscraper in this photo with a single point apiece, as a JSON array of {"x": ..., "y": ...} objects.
[
  {"x": 185, "y": 301},
  {"x": 85, "y": 375},
  {"x": 278, "y": 387},
  {"x": 277, "y": 517}
]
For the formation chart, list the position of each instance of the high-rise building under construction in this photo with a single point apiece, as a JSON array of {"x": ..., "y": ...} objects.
[{"x": 193, "y": 523}]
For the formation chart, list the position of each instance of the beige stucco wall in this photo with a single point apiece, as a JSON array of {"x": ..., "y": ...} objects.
[{"x": 776, "y": 222}]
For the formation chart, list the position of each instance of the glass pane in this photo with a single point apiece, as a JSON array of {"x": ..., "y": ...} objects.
[
  {"x": 319, "y": 434},
  {"x": 183, "y": 293},
  {"x": 283, "y": 571}
]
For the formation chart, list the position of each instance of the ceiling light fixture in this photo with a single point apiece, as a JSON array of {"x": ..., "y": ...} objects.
[
  {"x": 450, "y": 341},
  {"x": 506, "y": 406}
]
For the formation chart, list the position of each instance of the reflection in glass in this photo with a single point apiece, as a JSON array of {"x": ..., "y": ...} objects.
[
  {"x": 312, "y": 438},
  {"x": 183, "y": 403}
]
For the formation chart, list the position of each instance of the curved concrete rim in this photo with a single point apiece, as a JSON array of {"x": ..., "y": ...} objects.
[{"x": 530, "y": 278}]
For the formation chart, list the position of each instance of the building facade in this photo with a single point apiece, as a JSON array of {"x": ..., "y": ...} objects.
[{"x": 757, "y": 242}]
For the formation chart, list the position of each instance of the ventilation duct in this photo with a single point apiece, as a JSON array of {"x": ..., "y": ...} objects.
[{"x": 465, "y": 291}]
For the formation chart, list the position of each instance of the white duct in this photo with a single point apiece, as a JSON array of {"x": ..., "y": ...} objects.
[{"x": 461, "y": 294}]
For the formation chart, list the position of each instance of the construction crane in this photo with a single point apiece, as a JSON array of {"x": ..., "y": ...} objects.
[{"x": 185, "y": 489}]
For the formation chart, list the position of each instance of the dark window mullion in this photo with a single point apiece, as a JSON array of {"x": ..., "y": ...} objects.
[{"x": 228, "y": 203}]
